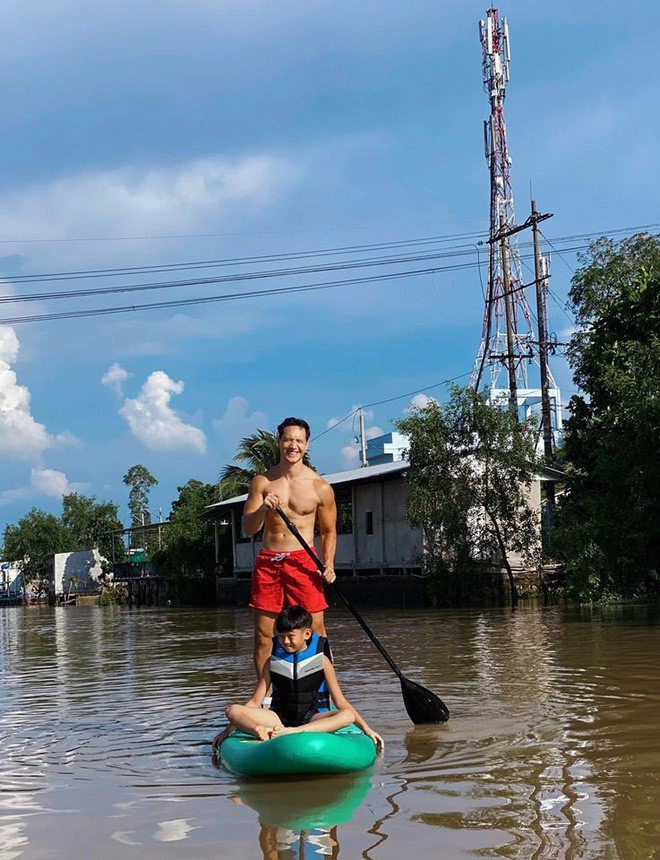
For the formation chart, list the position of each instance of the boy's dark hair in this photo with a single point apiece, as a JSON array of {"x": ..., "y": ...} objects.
[
  {"x": 292, "y": 618},
  {"x": 293, "y": 422}
]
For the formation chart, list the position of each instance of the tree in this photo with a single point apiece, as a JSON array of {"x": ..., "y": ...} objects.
[
  {"x": 261, "y": 451},
  {"x": 32, "y": 542},
  {"x": 608, "y": 530},
  {"x": 140, "y": 480},
  {"x": 471, "y": 465},
  {"x": 187, "y": 558},
  {"x": 89, "y": 524}
]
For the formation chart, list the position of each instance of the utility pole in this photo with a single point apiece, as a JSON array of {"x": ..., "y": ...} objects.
[
  {"x": 541, "y": 277},
  {"x": 508, "y": 313},
  {"x": 363, "y": 449}
]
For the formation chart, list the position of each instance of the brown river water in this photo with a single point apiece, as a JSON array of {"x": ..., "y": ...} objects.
[{"x": 552, "y": 751}]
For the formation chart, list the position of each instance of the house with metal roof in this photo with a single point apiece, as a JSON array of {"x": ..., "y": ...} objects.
[
  {"x": 374, "y": 538},
  {"x": 373, "y": 535}
]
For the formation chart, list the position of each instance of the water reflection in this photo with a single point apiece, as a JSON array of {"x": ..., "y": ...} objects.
[
  {"x": 106, "y": 718},
  {"x": 302, "y": 815}
]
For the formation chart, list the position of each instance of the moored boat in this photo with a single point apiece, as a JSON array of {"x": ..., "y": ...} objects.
[{"x": 343, "y": 751}]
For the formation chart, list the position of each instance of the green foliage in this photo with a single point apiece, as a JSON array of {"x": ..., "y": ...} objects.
[
  {"x": 140, "y": 480},
  {"x": 89, "y": 524},
  {"x": 108, "y": 597},
  {"x": 33, "y": 540},
  {"x": 260, "y": 452},
  {"x": 187, "y": 558},
  {"x": 84, "y": 524},
  {"x": 470, "y": 467},
  {"x": 608, "y": 524}
]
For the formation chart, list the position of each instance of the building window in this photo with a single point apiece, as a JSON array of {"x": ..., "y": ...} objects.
[
  {"x": 369, "y": 522},
  {"x": 344, "y": 500}
]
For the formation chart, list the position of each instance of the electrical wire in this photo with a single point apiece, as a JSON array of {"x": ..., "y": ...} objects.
[
  {"x": 249, "y": 276},
  {"x": 457, "y": 251},
  {"x": 239, "y": 261},
  {"x": 218, "y": 279},
  {"x": 391, "y": 400},
  {"x": 77, "y": 314},
  {"x": 293, "y": 255}
]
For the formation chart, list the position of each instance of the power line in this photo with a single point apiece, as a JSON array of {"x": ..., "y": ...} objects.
[
  {"x": 390, "y": 400},
  {"x": 239, "y": 261},
  {"x": 249, "y": 276},
  {"x": 272, "y": 273},
  {"x": 245, "y": 276},
  {"x": 225, "y": 297},
  {"x": 293, "y": 255}
]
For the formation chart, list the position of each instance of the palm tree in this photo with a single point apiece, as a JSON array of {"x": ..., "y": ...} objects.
[{"x": 261, "y": 451}]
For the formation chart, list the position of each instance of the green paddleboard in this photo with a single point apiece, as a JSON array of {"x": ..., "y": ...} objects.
[{"x": 343, "y": 751}]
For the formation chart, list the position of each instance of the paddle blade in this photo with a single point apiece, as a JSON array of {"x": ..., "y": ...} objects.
[{"x": 422, "y": 705}]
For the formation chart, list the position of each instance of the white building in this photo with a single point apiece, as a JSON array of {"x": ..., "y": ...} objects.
[
  {"x": 70, "y": 573},
  {"x": 11, "y": 579},
  {"x": 76, "y": 572},
  {"x": 388, "y": 448}
]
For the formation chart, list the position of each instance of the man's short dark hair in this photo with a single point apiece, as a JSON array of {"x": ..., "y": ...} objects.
[
  {"x": 292, "y": 618},
  {"x": 293, "y": 422}
]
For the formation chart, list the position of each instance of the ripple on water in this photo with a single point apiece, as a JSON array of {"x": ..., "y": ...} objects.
[{"x": 106, "y": 719}]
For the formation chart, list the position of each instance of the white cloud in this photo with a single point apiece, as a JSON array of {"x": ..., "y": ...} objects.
[
  {"x": 133, "y": 201},
  {"x": 66, "y": 439},
  {"x": 420, "y": 401},
  {"x": 114, "y": 378},
  {"x": 373, "y": 432},
  {"x": 237, "y": 421},
  {"x": 50, "y": 482},
  {"x": 8, "y": 345},
  {"x": 7, "y": 497},
  {"x": 349, "y": 426},
  {"x": 20, "y": 435},
  {"x": 155, "y": 423},
  {"x": 350, "y": 455},
  {"x": 46, "y": 482}
]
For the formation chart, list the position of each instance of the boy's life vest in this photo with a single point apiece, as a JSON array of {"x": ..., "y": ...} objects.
[{"x": 299, "y": 688}]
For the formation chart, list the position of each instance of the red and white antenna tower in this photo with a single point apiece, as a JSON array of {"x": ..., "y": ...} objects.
[{"x": 507, "y": 341}]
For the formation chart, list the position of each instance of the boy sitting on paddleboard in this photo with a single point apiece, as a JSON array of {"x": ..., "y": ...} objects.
[{"x": 303, "y": 681}]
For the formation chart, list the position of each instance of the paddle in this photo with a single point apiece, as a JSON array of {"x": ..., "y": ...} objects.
[{"x": 422, "y": 705}]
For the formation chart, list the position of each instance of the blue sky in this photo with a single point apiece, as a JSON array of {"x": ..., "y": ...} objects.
[{"x": 137, "y": 134}]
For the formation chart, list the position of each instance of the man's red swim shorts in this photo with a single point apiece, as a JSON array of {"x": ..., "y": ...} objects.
[{"x": 284, "y": 579}]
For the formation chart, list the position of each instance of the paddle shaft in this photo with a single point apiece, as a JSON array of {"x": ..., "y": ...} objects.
[{"x": 363, "y": 624}]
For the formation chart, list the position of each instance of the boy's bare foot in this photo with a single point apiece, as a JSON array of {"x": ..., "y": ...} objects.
[
  {"x": 285, "y": 730},
  {"x": 262, "y": 733}
]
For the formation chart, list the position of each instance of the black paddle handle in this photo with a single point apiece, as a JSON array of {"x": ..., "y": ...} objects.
[{"x": 317, "y": 561}]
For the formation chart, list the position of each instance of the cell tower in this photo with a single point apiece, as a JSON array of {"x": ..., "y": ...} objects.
[{"x": 508, "y": 342}]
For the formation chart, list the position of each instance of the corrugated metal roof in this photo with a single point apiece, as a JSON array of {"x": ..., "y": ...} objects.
[{"x": 352, "y": 475}]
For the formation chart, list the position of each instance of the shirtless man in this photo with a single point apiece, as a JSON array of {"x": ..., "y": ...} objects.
[{"x": 284, "y": 575}]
